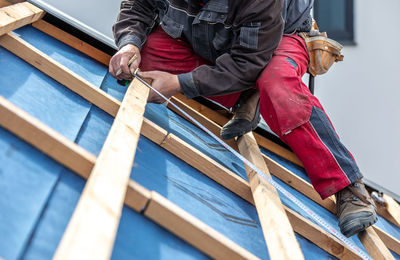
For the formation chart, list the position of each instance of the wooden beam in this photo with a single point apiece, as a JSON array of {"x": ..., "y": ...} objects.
[
  {"x": 4, "y": 3},
  {"x": 390, "y": 209},
  {"x": 15, "y": 16},
  {"x": 207, "y": 166},
  {"x": 111, "y": 105},
  {"x": 72, "y": 41},
  {"x": 137, "y": 197},
  {"x": 307, "y": 189},
  {"x": 391, "y": 242},
  {"x": 60, "y": 73},
  {"x": 92, "y": 229},
  {"x": 319, "y": 236},
  {"x": 275, "y": 168},
  {"x": 209, "y": 116},
  {"x": 374, "y": 245},
  {"x": 278, "y": 232},
  {"x": 188, "y": 227},
  {"x": 210, "y": 125},
  {"x": 45, "y": 139},
  {"x": 298, "y": 183}
]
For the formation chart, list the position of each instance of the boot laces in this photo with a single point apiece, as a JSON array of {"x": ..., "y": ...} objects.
[{"x": 349, "y": 194}]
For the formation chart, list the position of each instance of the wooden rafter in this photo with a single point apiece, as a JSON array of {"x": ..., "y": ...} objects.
[
  {"x": 166, "y": 214},
  {"x": 93, "y": 227},
  {"x": 389, "y": 212},
  {"x": 72, "y": 41},
  {"x": 278, "y": 233},
  {"x": 221, "y": 120},
  {"x": 276, "y": 169},
  {"x": 15, "y": 16},
  {"x": 137, "y": 197},
  {"x": 58, "y": 72},
  {"x": 376, "y": 248},
  {"x": 389, "y": 208},
  {"x": 4, "y": 3},
  {"x": 390, "y": 241},
  {"x": 45, "y": 139}
]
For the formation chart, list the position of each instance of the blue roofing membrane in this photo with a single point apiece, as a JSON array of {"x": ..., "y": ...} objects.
[{"x": 38, "y": 195}]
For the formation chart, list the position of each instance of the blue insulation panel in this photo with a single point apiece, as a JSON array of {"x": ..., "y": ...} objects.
[
  {"x": 74, "y": 60},
  {"x": 38, "y": 196},
  {"x": 27, "y": 179}
]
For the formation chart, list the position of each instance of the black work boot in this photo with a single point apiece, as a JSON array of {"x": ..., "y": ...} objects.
[
  {"x": 246, "y": 115},
  {"x": 355, "y": 209}
]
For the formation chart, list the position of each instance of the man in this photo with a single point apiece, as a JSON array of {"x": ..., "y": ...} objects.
[{"x": 246, "y": 55}]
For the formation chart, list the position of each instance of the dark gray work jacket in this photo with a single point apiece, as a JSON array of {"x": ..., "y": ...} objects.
[{"x": 239, "y": 36}]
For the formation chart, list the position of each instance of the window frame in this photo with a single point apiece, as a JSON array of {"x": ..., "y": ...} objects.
[{"x": 345, "y": 37}]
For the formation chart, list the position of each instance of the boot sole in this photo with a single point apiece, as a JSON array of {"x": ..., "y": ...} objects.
[{"x": 357, "y": 223}]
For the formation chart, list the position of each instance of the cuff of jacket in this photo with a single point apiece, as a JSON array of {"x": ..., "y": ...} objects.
[
  {"x": 188, "y": 86},
  {"x": 129, "y": 39}
]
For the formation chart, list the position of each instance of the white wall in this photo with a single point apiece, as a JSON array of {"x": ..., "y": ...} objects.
[{"x": 362, "y": 94}]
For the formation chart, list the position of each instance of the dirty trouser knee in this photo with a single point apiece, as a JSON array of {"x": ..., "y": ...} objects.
[{"x": 298, "y": 118}]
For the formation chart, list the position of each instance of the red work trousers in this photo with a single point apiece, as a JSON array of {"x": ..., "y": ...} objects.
[{"x": 287, "y": 106}]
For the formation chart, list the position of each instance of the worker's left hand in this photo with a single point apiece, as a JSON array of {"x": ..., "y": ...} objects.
[{"x": 164, "y": 82}]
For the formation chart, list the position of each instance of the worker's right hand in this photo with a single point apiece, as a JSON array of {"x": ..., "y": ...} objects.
[{"x": 119, "y": 62}]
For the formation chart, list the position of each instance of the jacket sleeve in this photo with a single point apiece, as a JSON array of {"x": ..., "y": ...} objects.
[
  {"x": 135, "y": 21},
  {"x": 259, "y": 27}
]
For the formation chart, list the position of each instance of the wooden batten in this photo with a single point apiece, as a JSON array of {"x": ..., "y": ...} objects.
[
  {"x": 210, "y": 116},
  {"x": 60, "y": 73},
  {"x": 298, "y": 183},
  {"x": 210, "y": 125},
  {"x": 111, "y": 106},
  {"x": 191, "y": 229},
  {"x": 4, "y": 3},
  {"x": 72, "y": 41},
  {"x": 319, "y": 236},
  {"x": 278, "y": 232},
  {"x": 15, "y": 16},
  {"x": 306, "y": 189},
  {"x": 374, "y": 245},
  {"x": 390, "y": 210},
  {"x": 137, "y": 197},
  {"x": 45, "y": 139},
  {"x": 92, "y": 229}
]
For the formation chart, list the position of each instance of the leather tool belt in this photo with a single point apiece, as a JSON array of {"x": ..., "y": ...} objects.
[{"x": 323, "y": 51}]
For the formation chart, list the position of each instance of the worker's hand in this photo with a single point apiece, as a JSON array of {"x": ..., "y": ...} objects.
[
  {"x": 164, "y": 82},
  {"x": 119, "y": 62}
]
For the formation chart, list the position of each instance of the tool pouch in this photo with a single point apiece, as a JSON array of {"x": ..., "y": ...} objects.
[{"x": 323, "y": 51}]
